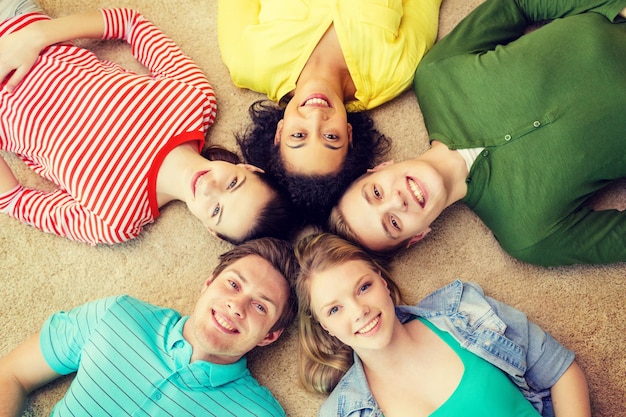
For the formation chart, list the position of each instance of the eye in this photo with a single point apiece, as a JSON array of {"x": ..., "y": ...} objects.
[
  {"x": 232, "y": 184},
  {"x": 297, "y": 135},
  {"x": 394, "y": 223},
  {"x": 333, "y": 310},
  {"x": 216, "y": 210},
  {"x": 261, "y": 308},
  {"x": 233, "y": 285},
  {"x": 376, "y": 193},
  {"x": 364, "y": 287},
  {"x": 331, "y": 136}
]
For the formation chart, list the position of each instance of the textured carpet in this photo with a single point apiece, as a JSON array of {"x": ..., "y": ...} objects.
[{"x": 582, "y": 306}]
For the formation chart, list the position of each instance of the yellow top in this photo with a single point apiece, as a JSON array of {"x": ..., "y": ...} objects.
[{"x": 266, "y": 43}]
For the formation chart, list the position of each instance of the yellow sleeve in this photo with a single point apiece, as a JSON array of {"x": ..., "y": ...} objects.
[{"x": 232, "y": 17}]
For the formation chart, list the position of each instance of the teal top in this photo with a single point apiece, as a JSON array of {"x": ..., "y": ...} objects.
[
  {"x": 131, "y": 359},
  {"x": 484, "y": 390}
]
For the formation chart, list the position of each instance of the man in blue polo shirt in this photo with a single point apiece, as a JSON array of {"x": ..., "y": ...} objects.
[{"x": 134, "y": 358}]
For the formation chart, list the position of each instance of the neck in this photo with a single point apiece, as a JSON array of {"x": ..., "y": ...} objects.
[
  {"x": 328, "y": 63},
  {"x": 175, "y": 173},
  {"x": 451, "y": 167},
  {"x": 387, "y": 360}
]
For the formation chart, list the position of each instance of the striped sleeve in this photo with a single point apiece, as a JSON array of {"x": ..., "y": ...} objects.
[
  {"x": 152, "y": 48},
  {"x": 65, "y": 333},
  {"x": 57, "y": 212}
]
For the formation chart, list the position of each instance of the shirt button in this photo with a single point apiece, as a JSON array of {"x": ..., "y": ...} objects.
[
  {"x": 485, "y": 153},
  {"x": 507, "y": 137},
  {"x": 536, "y": 123},
  {"x": 157, "y": 396},
  {"x": 179, "y": 344}
]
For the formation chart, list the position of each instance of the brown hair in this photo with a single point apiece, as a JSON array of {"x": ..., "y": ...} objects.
[
  {"x": 277, "y": 253},
  {"x": 323, "y": 359}
]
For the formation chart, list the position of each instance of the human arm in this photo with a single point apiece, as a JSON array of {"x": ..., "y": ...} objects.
[
  {"x": 498, "y": 22},
  {"x": 570, "y": 394},
  {"x": 19, "y": 50},
  {"x": 58, "y": 213},
  {"x": 232, "y": 18},
  {"x": 21, "y": 371}
]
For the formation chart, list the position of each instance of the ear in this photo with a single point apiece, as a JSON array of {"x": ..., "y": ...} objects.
[
  {"x": 381, "y": 166},
  {"x": 350, "y": 134},
  {"x": 270, "y": 337},
  {"x": 251, "y": 168},
  {"x": 207, "y": 283},
  {"x": 417, "y": 238},
  {"x": 279, "y": 131}
]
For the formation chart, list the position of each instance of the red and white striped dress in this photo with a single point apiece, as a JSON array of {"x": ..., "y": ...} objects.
[{"x": 100, "y": 132}]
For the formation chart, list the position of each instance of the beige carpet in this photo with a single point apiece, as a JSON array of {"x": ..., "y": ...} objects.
[{"x": 582, "y": 305}]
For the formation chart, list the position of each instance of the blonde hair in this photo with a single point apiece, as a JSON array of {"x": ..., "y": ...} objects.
[{"x": 323, "y": 359}]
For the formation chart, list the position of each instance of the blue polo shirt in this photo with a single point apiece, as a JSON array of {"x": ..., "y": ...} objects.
[{"x": 130, "y": 358}]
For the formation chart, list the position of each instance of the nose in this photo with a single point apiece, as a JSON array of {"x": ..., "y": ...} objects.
[
  {"x": 395, "y": 201},
  {"x": 361, "y": 311},
  {"x": 315, "y": 114},
  {"x": 235, "y": 308}
]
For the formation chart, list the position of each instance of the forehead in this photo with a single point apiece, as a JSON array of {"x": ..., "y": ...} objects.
[
  {"x": 337, "y": 279},
  {"x": 364, "y": 219},
  {"x": 241, "y": 208},
  {"x": 258, "y": 276}
]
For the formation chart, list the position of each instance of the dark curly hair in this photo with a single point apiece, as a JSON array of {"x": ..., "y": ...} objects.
[
  {"x": 277, "y": 219},
  {"x": 312, "y": 195}
]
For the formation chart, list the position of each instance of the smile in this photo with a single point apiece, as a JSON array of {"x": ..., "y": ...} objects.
[
  {"x": 417, "y": 192},
  {"x": 223, "y": 323},
  {"x": 195, "y": 180},
  {"x": 316, "y": 100},
  {"x": 370, "y": 325}
]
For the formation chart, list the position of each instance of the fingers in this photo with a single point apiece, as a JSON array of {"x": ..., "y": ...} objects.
[{"x": 12, "y": 78}]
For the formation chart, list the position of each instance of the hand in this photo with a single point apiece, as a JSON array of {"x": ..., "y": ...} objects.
[{"x": 18, "y": 53}]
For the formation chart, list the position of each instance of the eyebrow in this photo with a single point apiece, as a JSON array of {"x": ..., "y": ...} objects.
[
  {"x": 239, "y": 184},
  {"x": 261, "y": 295},
  {"x": 327, "y": 145},
  {"x": 382, "y": 222},
  {"x": 359, "y": 283}
]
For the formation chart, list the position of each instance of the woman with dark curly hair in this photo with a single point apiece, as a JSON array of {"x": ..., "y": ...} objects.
[
  {"x": 322, "y": 61},
  {"x": 313, "y": 194}
]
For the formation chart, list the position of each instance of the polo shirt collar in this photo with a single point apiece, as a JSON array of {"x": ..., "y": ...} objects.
[{"x": 200, "y": 373}]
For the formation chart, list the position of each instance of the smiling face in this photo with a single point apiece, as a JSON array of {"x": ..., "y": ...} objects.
[
  {"x": 394, "y": 204},
  {"x": 227, "y": 198},
  {"x": 352, "y": 302},
  {"x": 237, "y": 310},
  {"x": 314, "y": 135}
]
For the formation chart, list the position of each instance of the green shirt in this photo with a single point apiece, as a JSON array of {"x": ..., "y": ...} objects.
[
  {"x": 484, "y": 390},
  {"x": 549, "y": 109}
]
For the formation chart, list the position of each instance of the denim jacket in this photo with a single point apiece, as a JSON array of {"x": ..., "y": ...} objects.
[{"x": 494, "y": 331}]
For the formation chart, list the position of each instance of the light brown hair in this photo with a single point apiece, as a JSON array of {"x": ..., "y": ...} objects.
[{"x": 323, "y": 359}]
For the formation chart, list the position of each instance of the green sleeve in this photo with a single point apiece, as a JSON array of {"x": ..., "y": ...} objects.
[{"x": 497, "y": 22}]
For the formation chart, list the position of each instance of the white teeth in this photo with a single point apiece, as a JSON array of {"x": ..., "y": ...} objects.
[
  {"x": 417, "y": 192},
  {"x": 224, "y": 323},
  {"x": 370, "y": 326},
  {"x": 316, "y": 101}
]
